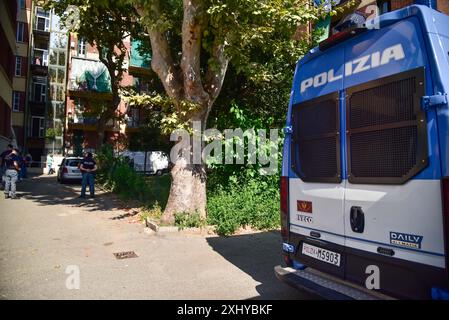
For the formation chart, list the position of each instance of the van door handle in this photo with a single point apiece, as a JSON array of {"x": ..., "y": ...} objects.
[{"x": 357, "y": 218}]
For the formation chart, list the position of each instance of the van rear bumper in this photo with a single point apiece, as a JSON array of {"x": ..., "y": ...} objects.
[{"x": 324, "y": 285}]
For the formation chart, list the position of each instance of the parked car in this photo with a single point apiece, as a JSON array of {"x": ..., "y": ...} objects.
[
  {"x": 68, "y": 170},
  {"x": 156, "y": 162}
]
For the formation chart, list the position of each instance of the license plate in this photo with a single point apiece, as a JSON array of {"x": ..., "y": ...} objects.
[
  {"x": 76, "y": 171},
  {"x": 321, "y": 254}
]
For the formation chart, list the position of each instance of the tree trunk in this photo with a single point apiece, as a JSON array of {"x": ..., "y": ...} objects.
[
  {"x": 185, "y": 82},
  {"x": 187, "y": 191},
  {"x": 101, "y": 133},
  {"x": 188, "y": 187}
]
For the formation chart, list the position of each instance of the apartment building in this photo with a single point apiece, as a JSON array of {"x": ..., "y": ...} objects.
[
  {"x": 44, "y": 117},
  {"x": 89, "y": 88},
  {"x": 8, "y": 52},
  {"x": 21, "y": 70}
]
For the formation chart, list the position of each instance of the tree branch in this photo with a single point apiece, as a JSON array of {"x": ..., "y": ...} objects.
[
  {"x": 162, "y": 61},
  {"x": 192, "y": 27},
  {"x": 216, "y": 70}
]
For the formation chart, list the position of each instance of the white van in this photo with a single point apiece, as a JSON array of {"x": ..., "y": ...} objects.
[
  {"x": 156, "y": 162},
  {"x": 365, "y": 176}
]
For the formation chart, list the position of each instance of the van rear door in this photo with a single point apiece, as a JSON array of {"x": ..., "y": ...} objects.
[
  {"x": 393, "y": 207},
  {"x": 316, "y": 188}
]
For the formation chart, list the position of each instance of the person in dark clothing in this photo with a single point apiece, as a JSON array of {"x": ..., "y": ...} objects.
[
  {"x": 4, "y": 154},
  {"x": 12, "y": 162},
  {"x": 3, "y": 164},
  {"x": 88, "y": 167},
  {"x": 22, "y": 171}
]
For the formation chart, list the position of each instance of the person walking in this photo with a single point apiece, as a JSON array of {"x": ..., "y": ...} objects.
[
  {"x": 50, "y": 161},
  {"x": 88, "y": 167},
  {"x": 12, "y": 162}
]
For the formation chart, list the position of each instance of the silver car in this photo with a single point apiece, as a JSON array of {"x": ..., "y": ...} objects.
[{"x": 69, "y": 170}]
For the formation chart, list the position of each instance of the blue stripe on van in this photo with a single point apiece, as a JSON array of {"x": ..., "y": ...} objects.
[{"x": 370, "y": 241}]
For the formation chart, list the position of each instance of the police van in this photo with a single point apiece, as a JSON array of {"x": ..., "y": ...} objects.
[{"x": 365, "y": 175}]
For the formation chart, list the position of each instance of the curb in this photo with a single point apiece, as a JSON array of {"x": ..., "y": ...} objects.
[{"x": 155, "y": 228}]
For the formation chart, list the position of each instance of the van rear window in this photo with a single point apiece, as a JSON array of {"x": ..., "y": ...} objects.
[
  {"x": 315, "y": 143},
  {"x": 386, "y": 129}
]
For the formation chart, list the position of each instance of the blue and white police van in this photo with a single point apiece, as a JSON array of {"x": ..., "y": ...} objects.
[{"x": 365, "y": 175}]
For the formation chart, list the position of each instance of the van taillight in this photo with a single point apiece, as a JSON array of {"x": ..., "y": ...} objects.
[
  {"x": 445, "y": 189},
  {"x": 284, "y": 208}
]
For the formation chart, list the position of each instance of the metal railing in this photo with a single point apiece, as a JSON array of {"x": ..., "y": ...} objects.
[{"x": 89, "y": 86}]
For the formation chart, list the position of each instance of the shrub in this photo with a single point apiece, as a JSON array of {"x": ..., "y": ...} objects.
[
  {"x": 116, "y": 174},
  {"x": 254, "y": 204},
  {"x": 155, "y": 213},
  {"x": 185, "y": 220}
]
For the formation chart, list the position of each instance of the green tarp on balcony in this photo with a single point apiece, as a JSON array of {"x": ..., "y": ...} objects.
[{"x": 139, "y": 59}]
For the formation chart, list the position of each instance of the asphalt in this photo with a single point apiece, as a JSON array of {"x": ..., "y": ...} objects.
[{"x": 48, "y": 235}]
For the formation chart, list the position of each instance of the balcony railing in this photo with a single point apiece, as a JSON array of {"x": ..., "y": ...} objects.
[
  {"x": 83, "y": 120},
  {"x": 93, "y": 86},
  {"x": 90, "y": 121}
]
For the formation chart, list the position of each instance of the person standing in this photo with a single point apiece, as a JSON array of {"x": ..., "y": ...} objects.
[
  {"x": 88, "y": 168},
  {"x": 3, "y": 164},
  {"x": 21, "y": 165},
  {"x": 12, "y": 162}
]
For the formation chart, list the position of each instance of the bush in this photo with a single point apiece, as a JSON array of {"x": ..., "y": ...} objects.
[
  {"x": 154, "y": 213},
  {"x": 116, "y": 174},
  {"x": 239, "y": 195},
  {"x": 185, "y": 220},
  {"x": 254, "y": 204}
]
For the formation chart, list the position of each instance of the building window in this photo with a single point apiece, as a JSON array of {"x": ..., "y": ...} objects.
[
  {"x": 20, "y": 34},
  {"x": 18, "y": 68},
  {"x": 21, "y": 4},
  {"x": 39, "y": 89},
  {"x": 37, "y": 127},
  {"x": 16, "y": 101},
  {"x": 81, "y": 47},
  {"x": 42, "y": 20}
]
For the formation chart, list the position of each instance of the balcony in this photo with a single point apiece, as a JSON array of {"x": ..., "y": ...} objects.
[
  {"x": 89, "y": 90},
  {"x": 41, "y": 27},
  {"x": 140, "y": 61},
  {"x": 39, "y": 62},
  {"x": 79, "y": 122},
  {"x": 89, "y": 79}
]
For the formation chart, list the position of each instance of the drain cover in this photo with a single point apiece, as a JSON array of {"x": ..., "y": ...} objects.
[{"x": 125, "y": 255}]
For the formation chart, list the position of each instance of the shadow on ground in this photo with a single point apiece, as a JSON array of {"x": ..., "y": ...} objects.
[
  {"x": 257, "y": 255},
  {"x": 46, "y": 191}
]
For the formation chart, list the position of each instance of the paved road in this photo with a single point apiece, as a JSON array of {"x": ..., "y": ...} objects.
[{"x": 48, "y": 230}]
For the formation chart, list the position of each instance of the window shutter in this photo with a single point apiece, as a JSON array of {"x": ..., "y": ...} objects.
[
  {"x": 25, "y": 32},
  {"x": 22, "y": 101},
  {"x": 24, "y": 66}
]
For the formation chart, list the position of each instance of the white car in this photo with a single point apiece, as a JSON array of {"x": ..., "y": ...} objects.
[{"x": 69, "y": 170}]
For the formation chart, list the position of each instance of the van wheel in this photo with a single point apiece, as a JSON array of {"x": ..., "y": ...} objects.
[{"x": 159, "y": 173}]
